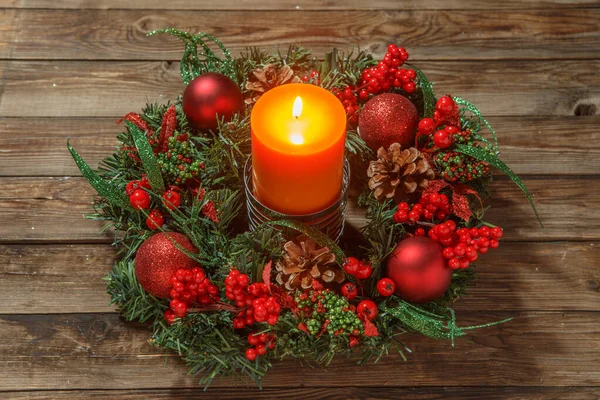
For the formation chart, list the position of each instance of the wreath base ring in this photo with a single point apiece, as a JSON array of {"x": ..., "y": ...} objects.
[{"x": 330, "y": 221}]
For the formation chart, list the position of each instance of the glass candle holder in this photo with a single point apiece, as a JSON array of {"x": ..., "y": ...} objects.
[{"x": 330, "y": 220}]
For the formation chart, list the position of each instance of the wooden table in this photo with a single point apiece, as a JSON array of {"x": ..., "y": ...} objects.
[{"x": 70, "y": 68}]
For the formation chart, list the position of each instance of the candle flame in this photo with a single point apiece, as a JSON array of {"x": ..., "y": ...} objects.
[
  {"x": 296, "y": 138},
  {"x": 297, "y": 109}
]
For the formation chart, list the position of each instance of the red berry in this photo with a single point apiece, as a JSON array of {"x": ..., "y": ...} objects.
[
  {"x": 409, "y": 87},
  {"x": 132, "y": 187},
  {"x": 351, "y": 265},
  {"x": 386, "y": 287},
  {"x": 171, "y": 199},
  {"x": 419, "y": 232},
  {"x": 496, "y": 233},
  {"x": 494, "y": 243},
  {"x": 272, "y": 319},
  {"x": 261, "y": 349},
  {"x": 239, "y": 323},
  {"x": 368, "y": 309},
  {"x": 155, "y": 220},
  {"x": 251, "y": 354},
  {"x": 179, "y": 308},
  {"x": 442, "y": 139},
  {"x": 445, "y": 105},
  {"x": 243, "y": 280},
  {"x": 448, "y": 253},
  {"x": 349, "y": 290},
  {"x": 253, "y": 340},
  {"x": 169, "y": 316},
  {"x": 139, "y": 199},
  {"x": 364, "y": 271},
  {"x": 454, "y": 263}
]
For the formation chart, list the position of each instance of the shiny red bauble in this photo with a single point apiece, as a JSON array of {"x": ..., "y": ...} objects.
[
  {"x": 388, "y": 118},
  {"x": 419, "y": 270},
  {"x": 158, "y": 259},
  {"x": 209, "y": 95}
]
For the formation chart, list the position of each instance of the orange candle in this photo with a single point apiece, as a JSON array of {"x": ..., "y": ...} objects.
[{"x": 298, "y": 138}]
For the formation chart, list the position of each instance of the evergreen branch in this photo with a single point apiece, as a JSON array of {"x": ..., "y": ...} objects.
[
  {"x": 106, "y": 190},
  {"x": 487, "y": 156},
  {"x": 146, "y": 154}
]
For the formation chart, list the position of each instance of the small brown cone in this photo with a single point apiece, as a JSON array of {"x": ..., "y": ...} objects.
[
  {"x": 266, "y": 78},
  {"x": 303, "y": 261},
  {"x": 398, "y": 173}
]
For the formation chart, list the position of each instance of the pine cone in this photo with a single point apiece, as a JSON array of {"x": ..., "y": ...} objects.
[
  {"x": 303, "y": 261},
  {"x": 267, "y": 78},
  {"x": 397, "y": 172}
]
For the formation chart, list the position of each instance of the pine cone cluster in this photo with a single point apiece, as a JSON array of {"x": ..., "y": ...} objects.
[
  {"x": 267, "y": 78},
  {"x": 398, "y": 173},
  {"x": 303, "y": 261}
]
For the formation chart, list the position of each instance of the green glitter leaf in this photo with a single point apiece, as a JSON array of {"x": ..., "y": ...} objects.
[
  {"x": 318, "y": 236},
  {"x": 475, "y": 111},
  {"x": 195, "y": 62},
  {"x": 490, "y": 158},
  {"x": 429, "y": 324},
  {"x": 106, "y": 190},
  {"x": 146, "y": 154},
  {"x": 428, "y": 94}
]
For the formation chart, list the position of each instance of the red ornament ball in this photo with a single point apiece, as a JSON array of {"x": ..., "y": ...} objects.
[
  {"x": 209, "y": 95},
  {"x": 388, "y": 118},
  {"x": 158, "y": 259},
  {"x": 419, "y": 270}
]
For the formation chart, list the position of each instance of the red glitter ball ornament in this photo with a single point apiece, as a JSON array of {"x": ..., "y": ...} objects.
[
  {"x": 209, "y": 95},
  {"x": 388, "y": 118},
  {"x": 158, "y": 259},
  {"x": 419, "y": 270}
]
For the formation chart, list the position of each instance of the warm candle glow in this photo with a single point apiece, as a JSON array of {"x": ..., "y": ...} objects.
[{"x": 298, "y": 159}]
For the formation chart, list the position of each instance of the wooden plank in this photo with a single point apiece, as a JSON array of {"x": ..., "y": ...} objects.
[
  {"x": 299, "y": 4},
  {"x": 101, "y": 351},
  {"x": 518, "y": 276},
  {"x": 347, "y": 393},
  {"x": 530, "y": 145},
  {"x": 93, "y": 89},
  {"x": 428, "y": 35},
  {"x": 52, "y": 209}
]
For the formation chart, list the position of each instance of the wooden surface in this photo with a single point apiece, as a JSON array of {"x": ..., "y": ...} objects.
[{"x": 70, "y": 68}]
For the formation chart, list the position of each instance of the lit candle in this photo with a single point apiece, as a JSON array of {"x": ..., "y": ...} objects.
[{"x": 298, "y": 137}]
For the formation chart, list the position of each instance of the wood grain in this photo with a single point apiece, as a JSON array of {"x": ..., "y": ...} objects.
[
  {"x": 101, "y": 351},
  {"x": 345, "y": 393},
  {"x": 529, "y": 145},
  {"x": 58, "y": 278},
  {"x": 428, "y": 35},
  {"x": 95, "y": 89},
  {"x": 299, "y": 4},
  {"x": 52, "y": 209}
]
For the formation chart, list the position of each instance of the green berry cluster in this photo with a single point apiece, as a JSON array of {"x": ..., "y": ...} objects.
[
  {"x": 325, "y": 310},
  {"x": 458, "y": 167},
  {"x": 176, "y": 163}
]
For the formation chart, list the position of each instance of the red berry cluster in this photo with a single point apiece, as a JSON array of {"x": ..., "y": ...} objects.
[
  {"x": 387, "y": 74},
  {"x": 190, "y": 286},
  {"x": 260, "y": 343},
  {"x": 461, "y": 246},
  {"x": 358, "y": 269},
  {"x": 350, "y": 102},
  {"x": 446, "y": 113},
  {"x": 254, "y": 298},
  {"x": 429, "y": 206}
]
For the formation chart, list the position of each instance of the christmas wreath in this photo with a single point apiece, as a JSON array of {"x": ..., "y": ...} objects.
[{"x": 230, "y": 300}]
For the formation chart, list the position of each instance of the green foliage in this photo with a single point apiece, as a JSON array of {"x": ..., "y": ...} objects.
[
  {"x": 426, "y": 89},
  {"x": 146, "y": 154}
]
